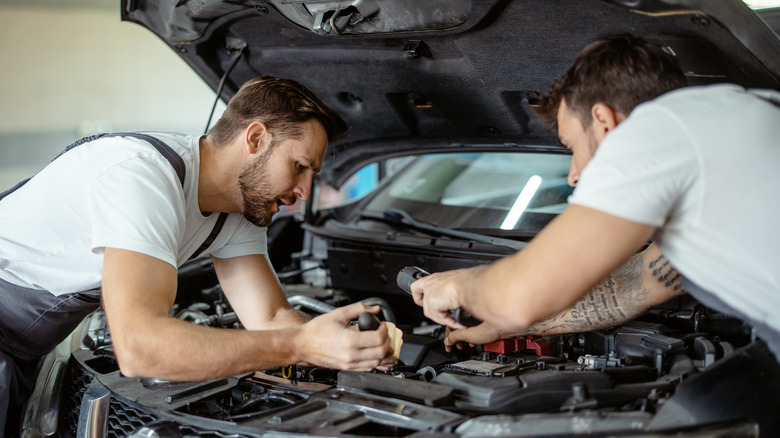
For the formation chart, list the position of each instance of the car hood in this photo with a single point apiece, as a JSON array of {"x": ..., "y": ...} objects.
[{"x": 444, "y": 73}]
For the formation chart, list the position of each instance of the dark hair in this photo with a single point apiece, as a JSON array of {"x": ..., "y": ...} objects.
[
  {"x": 282, "y": 105},
  {"x": 620, "y": 71}
]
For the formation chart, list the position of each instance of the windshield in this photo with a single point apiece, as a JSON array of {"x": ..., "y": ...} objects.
[{"x": 480, "y": 191}]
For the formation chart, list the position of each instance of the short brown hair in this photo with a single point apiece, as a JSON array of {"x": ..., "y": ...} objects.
[
  {"x": 281, "y": 104},
  {"x": 620, "y": 71}
]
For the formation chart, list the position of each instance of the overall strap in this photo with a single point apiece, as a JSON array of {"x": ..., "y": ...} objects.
[{"x": 212, "y": 236}]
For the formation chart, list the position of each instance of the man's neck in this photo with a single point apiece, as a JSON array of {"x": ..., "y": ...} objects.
[{"x": 217, "y": 184}]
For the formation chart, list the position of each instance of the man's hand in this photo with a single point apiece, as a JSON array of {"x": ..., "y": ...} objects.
[
  {"x": 328, "y": 341},
  {"x": 481, "y": 334},
  {"x": 442, "y": 292}
]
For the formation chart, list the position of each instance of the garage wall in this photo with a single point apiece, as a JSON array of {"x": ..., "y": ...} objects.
[{"x": 67, "y": 72}]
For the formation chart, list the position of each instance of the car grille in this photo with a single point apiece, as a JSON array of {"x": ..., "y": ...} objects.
[
  {"x": 123, "y": 419},
  {"x": 76, "y": 382}
]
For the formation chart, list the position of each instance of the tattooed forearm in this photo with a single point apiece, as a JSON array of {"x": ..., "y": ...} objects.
[
  {"x": 665, "y": 274},
  {"x": 645, "y": 280}
]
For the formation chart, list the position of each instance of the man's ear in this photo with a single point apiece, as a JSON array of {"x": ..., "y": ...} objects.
[
  {"x": 256, "y": 138},
  {"x": 605, "y": 118}
]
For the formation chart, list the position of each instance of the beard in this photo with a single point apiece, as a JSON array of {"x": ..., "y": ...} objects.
[{"x": 255, "y": 191}]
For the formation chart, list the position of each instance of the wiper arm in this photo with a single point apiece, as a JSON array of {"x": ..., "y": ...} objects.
[{"x": 400, "y": 217}]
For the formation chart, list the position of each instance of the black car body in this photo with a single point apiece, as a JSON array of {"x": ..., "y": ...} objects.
[{"x": 435, "y": 88}]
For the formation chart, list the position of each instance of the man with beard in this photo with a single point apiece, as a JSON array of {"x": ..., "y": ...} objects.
[{"x": 113, "y": 218}]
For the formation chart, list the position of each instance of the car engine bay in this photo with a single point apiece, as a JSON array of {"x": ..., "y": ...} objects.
[{"x": 646, "y": 377}]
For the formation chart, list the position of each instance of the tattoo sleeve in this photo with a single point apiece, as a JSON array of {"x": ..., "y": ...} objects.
[{"x": 645, "y": 280}]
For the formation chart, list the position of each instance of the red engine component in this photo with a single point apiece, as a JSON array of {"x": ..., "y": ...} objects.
[{"x": 520, "y": 343}]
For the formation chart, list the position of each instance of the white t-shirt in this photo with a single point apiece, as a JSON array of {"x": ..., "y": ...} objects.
[
  {"x": 703, "y": 165},
  {"x": 117, "y": 192}
]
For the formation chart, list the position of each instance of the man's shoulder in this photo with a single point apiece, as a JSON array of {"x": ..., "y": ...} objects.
[
  {"x": 167, "y": 150},
  {"x": 124, "y": 157},
  {"x": 132, "y": 143},
  {"x": 184, "y": 145},
  {"x": 697, "y": 94},
  {"x": 688, "y": 106}
]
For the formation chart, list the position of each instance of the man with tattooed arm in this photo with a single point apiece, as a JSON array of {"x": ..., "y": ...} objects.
[{"x": 687, "y": 168}]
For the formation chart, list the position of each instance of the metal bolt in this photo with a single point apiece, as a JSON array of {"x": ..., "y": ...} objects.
[
  {"x": 580, "y": 391},
  {"x": 700, "y": 20}
]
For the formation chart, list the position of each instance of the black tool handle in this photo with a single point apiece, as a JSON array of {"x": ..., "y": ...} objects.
[
  {"x": 410, "y": 274},
  {"x": 367, "y": 321},
  {"x": 464, "y": 317}
]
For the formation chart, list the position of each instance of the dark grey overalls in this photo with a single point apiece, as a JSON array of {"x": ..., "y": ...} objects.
[{"x": 33, "y": 322}]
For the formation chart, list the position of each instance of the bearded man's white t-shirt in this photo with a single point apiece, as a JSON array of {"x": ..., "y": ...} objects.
[{"x": 117, "y": 192}]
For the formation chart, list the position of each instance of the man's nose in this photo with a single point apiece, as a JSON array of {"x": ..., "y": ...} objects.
[
  {"x": 302, "y": 189},
  {"x": 574, "y": 174}
]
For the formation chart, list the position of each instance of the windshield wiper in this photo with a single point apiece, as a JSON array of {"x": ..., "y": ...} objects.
[{"x": 400, "y": 217}]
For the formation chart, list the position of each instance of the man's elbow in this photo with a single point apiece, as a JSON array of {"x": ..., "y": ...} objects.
[
  {"x": 129, "y": 369},
  {"x": 130, "y": 363},
  {"x": 135, "y": 359}
]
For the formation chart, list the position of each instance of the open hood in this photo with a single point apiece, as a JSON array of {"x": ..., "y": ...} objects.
[{"x": 457, "y": 71}]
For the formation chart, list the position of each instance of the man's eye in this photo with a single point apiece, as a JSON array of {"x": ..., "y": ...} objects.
[{"x": 300, "y": 166}]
